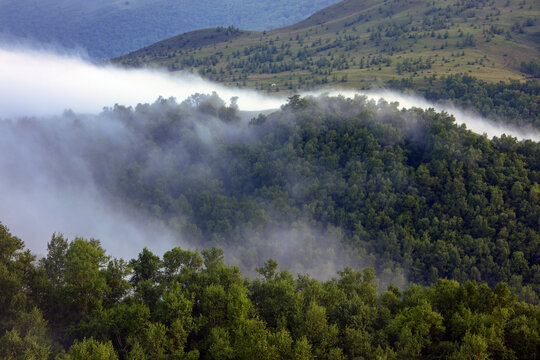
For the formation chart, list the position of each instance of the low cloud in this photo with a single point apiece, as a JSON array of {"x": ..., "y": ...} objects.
[{"x": 39, "y": 83}]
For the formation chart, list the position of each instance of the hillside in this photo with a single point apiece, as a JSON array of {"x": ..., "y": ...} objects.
[
  {"x": 365, "y": 43},
  {"x": 111, "y": 28},
  {"x": 318, "y": 185}
]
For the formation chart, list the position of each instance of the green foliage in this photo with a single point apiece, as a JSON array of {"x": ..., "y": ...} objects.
[
  {"x": 27, "y": 338},
  {"x": 15, "y": 269},
  {"x": 513, "y": 103},
  {"x": 413, "y": 65},
  {"x": 212, "y": 312},
  {"x": 83, "y": 275},
  {"x": 531, "y": 68},
  {"x": 22, "y": 327},
  {"x": 90, "y": 349},
  {"x": 410, "y": 187}
]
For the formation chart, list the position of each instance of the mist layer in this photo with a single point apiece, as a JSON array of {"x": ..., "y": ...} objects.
[{"x": 40, "y": 83}]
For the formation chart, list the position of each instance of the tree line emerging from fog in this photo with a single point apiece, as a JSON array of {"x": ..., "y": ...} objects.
[
  {"x": 79, "y": 303},
  {"x": 512, "y": 103},
  {"x": 408, "y": 189}
]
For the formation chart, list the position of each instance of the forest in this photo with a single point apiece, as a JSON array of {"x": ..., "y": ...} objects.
[
  {"x": 513, "y": 102},
  {"x": 78, "y": 303},
  {"x": 408, "y": 188},
  {"x": 331, "y": 227},
  {"x": 322, "y": 180},
  {"x": 339, "y": 188}
]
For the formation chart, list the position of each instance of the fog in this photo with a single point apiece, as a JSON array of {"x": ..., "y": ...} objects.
[
  {"x": 33, "y": 211},
  {"x": 39, "y": 83},
  {"x": 50, "y": 161},
  {"x": 47, "y": 187},
  {"x": 472, "y": 120}
]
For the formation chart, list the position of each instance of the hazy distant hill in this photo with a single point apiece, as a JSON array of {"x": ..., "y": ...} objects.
[
  {"x": 111, "y": 28},
  {"x": 360, "y": 43}
]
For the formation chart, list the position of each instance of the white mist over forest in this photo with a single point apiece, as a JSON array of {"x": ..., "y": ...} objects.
[
  {"x": 41, "y": 83},
  {"x": 46, "y": 187}
]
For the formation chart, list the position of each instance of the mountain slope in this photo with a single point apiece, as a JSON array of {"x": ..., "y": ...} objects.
[
  {"x": 333, "y": 13},
  {"x": 360, "y": 43},
  {"x": 318, "y": 183},
  {"x": 111, "y": 28}
]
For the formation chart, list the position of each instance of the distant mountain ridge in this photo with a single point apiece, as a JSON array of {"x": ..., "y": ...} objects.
[
  {"x": 112, "y": 28},
  {"x": 334, "y": 13}
]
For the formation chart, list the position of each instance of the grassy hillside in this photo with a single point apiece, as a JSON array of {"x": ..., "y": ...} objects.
[{"x": 364, "y": 43}]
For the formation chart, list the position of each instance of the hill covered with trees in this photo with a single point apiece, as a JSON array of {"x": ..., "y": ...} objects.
[
  {"x": 448, "y": 219},
  {"x": 407, "y": 192}
]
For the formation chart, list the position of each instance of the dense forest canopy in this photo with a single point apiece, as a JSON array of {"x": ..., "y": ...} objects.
[
  {"x": 321, "y": 181},
  {"x": 79, "y": 303},
  {"x": 515, "y": 103},
  {"x": 407, "y": 186}
]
